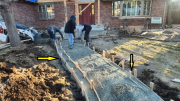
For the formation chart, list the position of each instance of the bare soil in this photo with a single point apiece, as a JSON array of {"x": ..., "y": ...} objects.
[
  {"x": 155, "y": 61},
  {"x": 24, "y": 78}
]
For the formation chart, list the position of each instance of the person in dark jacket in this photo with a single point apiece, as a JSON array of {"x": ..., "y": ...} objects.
[
  {"x": 70, "y": 29},
  {"x": 52, "y": 32},
  {"x": 85, "y": 27}
]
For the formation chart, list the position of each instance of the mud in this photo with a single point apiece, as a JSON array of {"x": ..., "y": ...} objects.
[
  {"x": 161, "y": 88},
  {"x": 24, "y": 78}
]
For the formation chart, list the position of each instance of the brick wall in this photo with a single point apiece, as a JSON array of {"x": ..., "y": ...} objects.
[
  {"x": 27, "y": 14},
  {"x": 24, "y": 13},
  {"x": 106, "y": 12},
  {"x": 59, "y": 16}
]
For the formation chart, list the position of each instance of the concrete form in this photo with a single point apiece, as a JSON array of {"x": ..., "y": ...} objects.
[{"x": 101, "y": 80}]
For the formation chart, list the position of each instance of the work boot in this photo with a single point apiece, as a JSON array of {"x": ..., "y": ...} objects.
[{"x": 70, "y": 46}]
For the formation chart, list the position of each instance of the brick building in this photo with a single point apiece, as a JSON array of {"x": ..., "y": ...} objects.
[{"x": 113, "y": 13}]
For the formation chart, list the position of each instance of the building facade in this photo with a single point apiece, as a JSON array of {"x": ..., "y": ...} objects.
[{"x": 112, "y": 13}]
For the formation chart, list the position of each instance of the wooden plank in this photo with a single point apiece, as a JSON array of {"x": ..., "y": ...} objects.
[
  {"x": 77, "y": 13},
  {"x": 70, "y": 3},
  {"x": 98, "y": 12},
  {"x": 65, "y": 10},
  {"x": 85, "y": 7},
  {"x": 44, "y": 1}
]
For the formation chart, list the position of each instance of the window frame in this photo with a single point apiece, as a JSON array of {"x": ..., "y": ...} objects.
[
  {"x": 112, "y": 11},
  {"x": 141, "y": 12},
  {"x": 46, "y": 13}
]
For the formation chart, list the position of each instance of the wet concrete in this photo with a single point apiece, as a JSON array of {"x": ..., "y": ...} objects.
[{"x": 111, "y": 82}]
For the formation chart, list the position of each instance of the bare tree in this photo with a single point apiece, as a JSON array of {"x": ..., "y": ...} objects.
[{"x": 6, "y": 12}]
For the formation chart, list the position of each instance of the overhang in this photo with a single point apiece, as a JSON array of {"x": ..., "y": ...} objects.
[{"x": 84, "y": 1}]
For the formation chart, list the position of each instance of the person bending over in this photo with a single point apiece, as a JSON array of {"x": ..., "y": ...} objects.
[
  {"x": 85, "y": 27},
  {"x": 52, "y": 32}
]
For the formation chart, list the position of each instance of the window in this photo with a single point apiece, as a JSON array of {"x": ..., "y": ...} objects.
[
  {"x": 92, "y": 9},
  {"x": 147, "y": 7},
  {"x": 46, "y": 12},
  {"x": 116, "y": 8},
  {"x": 131, "y": 8}
]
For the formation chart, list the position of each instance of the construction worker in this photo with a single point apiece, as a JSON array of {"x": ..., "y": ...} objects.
[
  {"x": 85, "y": 27},
  {"x": 70, "y": 29},
  {"x": 52, "y": 32}
]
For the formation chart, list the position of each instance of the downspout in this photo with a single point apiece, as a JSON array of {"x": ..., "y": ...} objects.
[{"x": 164, "y": 15}]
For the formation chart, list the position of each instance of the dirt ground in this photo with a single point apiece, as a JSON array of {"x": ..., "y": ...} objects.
[
  {"x": 156, "y": 61},
  {"x": 24, "y": 78}
]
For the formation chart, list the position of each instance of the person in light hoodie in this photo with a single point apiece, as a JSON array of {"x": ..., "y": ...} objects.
[{"x": 85, "y": 27}]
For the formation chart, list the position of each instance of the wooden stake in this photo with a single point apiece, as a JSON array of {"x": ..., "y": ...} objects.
[
  {"x": 130, "y": 74},
  {"x": 151, "y": 85},
  {"x": 135, "y": 73},
  {"x": 77, "y": 65},
  {"x": 92, "y": 84},
  {"x": 82, "y": 89},
  {"x": 69, "y": 58},
  {"x": 112, "y": 58},
  {"x": 84, "y": 74},
  {"x": 72, "y": 71},
  {"x": 103, "y": 53},
  {"x": 93, "y": 49},
  {"x": 123, "y": 63}
]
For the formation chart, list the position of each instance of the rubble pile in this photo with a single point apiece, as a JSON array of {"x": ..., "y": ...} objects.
[{"x": 39, "y": 83}]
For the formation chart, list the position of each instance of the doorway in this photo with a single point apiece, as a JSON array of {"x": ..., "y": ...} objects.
[{"x": 88, "y": 15}]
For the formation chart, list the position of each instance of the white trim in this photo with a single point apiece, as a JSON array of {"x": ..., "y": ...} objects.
[
  {"x": 146, "y": 6},
  {"x": 150, "y": 8},
  {"x": 142, "y": 7},
  {"x": 121, "y": 8}
]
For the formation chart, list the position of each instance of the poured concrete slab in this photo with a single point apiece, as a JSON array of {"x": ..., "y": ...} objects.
[{"x": 111, "y": 82}]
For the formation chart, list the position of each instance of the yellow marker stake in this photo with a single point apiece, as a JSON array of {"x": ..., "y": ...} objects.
[
  {"x": 131, "y": 61},
  {"x": 47, "y": 58}
]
